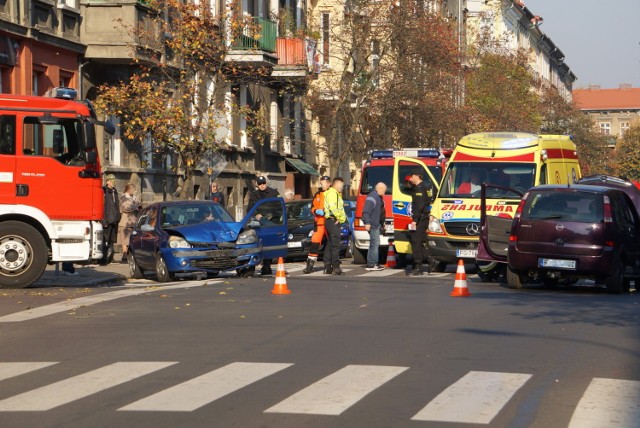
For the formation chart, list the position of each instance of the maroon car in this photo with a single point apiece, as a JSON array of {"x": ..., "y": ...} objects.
[{"x": 567, "y": 232}]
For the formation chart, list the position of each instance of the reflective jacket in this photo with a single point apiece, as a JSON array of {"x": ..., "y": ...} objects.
[
  {"x": 334, "y": 206},
  {"x": 318, "y": 204}
]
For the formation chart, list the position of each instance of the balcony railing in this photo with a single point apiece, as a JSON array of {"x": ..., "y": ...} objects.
[
  {"x": 291, "y": 51},
  {"x": 259, "y": 34}
]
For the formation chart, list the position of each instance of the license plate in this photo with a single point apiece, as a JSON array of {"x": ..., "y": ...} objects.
[
  {"x": 294, "y": 244},
  {"x": 388, "y": 228},
  {"x": 466, "y": 254},
  {"x": 557, "y": 263}
]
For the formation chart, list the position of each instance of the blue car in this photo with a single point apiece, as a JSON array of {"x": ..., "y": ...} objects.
[{"x": 178, "y": 239}]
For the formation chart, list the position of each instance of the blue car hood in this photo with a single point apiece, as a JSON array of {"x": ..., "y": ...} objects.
[{"x": 212, "y": 231}]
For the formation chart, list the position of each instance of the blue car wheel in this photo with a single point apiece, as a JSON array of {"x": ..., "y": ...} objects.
[{"x": 162, "y": 272}]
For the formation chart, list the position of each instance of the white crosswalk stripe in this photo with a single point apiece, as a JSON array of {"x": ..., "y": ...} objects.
[
  {"x": 608, "y": 402},
  {"x": 475, "y": 399},
  {"x": 8, "y": 370},
  {"x": 71, "y": 304},
  {"x": 337, "y": 392},
  {"x": 321, "y": 272},
  {"x": 77, "y": 387},
  {"x": 197, "y": 392},
  {"x": 380, "y": 273}
]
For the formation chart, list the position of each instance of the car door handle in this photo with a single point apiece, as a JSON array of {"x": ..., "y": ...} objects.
[{"x": 280, "y": 234}]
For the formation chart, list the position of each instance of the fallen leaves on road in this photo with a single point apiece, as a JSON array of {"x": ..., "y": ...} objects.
[
  {"x": 222, "y": 293},
  {"x": 163, "y": 296}
]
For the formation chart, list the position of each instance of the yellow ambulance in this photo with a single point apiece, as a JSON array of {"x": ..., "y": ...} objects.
[{"x": 516, "y": 160}]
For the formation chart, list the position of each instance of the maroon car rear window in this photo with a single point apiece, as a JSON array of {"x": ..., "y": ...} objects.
[{"x": 567, "y": 206}]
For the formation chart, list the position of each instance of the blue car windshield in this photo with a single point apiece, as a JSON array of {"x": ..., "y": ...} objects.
[{"x": 181, "y": 215}]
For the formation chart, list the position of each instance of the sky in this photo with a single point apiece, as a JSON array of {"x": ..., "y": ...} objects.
[{"x": 600, "y": 38}]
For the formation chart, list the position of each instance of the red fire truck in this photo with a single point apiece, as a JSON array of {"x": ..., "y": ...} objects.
[
  {"x": 380, "y": 168},
  {"x": 51, "y": 197}
]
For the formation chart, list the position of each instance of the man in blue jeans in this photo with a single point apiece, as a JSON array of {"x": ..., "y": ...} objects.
[{"x": 373, "y": 216}]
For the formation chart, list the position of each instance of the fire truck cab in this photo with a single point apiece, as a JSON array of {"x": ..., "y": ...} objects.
[
  {"x": 383, "y": 167},
  {"x": 51, "y": 197}
]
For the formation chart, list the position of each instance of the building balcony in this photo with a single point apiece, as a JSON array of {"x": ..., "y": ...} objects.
[
  {"x": 257, "y": 43},
  {"x": 292, "y": 58}
]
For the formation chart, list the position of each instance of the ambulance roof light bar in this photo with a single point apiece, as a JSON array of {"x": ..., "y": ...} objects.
[
  {"x": 62, "y": 93},
  {"x": 410, "y": 153}
]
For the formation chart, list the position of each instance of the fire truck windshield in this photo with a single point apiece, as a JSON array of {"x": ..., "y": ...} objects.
[
  {"x": 373, "y": 175},
  {"x": 58, "y": 138},
  {"x": 464, "y": 179}
]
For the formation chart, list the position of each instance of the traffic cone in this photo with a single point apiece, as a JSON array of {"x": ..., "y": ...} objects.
[
  {"x": 460, "y": 285},
  {"x": 280, "y": 286},
  {"x": 391, "y": 256}
]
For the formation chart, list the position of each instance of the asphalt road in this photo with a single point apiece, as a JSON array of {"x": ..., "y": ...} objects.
[{"x": 363, "y": 350}]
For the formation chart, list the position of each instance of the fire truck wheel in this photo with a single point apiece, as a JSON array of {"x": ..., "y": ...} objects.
[
  {"x": 162, "y": 272},
  {"x": 23, "y": 255}
]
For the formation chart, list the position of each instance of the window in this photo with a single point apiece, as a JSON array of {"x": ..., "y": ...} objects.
[
  {"x": 406, "y": 169},
  {"x": 463, "y": 179},
  {"x": 271, "y": 213},
  {"x": 375, "y": 174},
  {"x": 58, "y": 139},
  {"x": 7, "y": 135},
  {"x": 325, "y": 38},
  {"x": 624, "y": 127},
  {"x": 605, "y": 128},
  {"x": 193, "y": 214},
  {"x": 568, "y": 206}
]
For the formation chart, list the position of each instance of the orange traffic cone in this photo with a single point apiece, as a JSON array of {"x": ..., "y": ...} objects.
[
  {"x": 280, "y": 286},
  {"x": 391, "y": 256},
  {"x": 460, "y": 286}
]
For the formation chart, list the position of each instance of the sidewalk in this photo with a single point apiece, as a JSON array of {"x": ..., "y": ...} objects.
[{"x": 88, "y": 276}]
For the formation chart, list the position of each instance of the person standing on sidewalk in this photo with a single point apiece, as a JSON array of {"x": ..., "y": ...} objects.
[
  {"x": 216, "y": 195},
  {"x": 373, "y": 216},
  {"x": 111, "y": 218},
  {"x": 334, "y": 216},
  {"x": 421, "y": 200},
  {"x": 129, "y": 208},
  {"x": 319, "y": 232},
  {"x": 262, "y": 192}
]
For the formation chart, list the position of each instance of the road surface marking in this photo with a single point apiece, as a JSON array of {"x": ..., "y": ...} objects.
[
  {"x": 474, "y": 399},
  {"x": 8, "y": 370},
  {"x": 337, "y": 392},
  {"x": 321, "y": 272},
  {"x": 197, "y": 392},
  {"x": 72, "y": 304},
  {"x": 380, "y": 273},
  {"x": 74, "y": 388},
  {"x": 608, "y": 402}
]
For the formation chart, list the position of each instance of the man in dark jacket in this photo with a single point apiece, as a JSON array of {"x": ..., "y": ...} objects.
[
  {"x": 262, "y": 192},
  {"x": 373, "y": 216},
  {"x": 421, "y": 200},
  {"x": 111, "y": 218}
]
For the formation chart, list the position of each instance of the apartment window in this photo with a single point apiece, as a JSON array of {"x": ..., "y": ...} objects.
[
  {"x": 42, "y": 15},
  {"x": 624, "y": 127},
  {"x": 605, "y": 128},
  {"x": 69, "y": 24},
  {"x": 325, "y": 38},
  {"x": 5, "y": 73}
]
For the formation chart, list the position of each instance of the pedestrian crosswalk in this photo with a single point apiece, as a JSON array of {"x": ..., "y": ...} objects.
[{"x": 476, "y": 397}]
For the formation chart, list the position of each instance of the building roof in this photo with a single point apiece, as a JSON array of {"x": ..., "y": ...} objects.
[{"x": 607, "y": 99}]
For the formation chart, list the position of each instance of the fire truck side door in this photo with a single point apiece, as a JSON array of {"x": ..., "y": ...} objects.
[{"x": 7, "y": 158}]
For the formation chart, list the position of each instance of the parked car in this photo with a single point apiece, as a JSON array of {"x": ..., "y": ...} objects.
[
  {"x": 301, "y": 225},
  {"x": 617, "y": 183},
  {"x": 568, "y": 232},
  {"x": 194, "y": 238}
]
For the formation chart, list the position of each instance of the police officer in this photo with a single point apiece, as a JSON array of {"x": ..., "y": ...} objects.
[
  {"x": 421, "y": 200},
  {"x": 262, "y": 192},
  {"x": 317, "y": 208}
]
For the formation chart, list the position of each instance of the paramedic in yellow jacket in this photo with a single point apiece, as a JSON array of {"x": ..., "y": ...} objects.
[
  {"x": 317, "y": 208},
  {"x": 334, "y": 216}
]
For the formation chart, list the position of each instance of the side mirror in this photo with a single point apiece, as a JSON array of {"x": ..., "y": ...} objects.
[{"x": 89, "y": 136}]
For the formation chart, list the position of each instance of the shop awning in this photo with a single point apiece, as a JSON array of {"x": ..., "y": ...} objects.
[{"x": 302, "y": 166}]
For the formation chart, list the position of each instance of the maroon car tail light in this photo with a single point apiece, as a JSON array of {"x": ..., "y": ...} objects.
[
  {"x": 608, "y": 218},
  {"x": 521, "y": 206},
  {"x": 513, "y": 238}
]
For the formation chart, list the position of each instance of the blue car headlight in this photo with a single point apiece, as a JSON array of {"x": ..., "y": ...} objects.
[
  {"x": 247, "y": 237},
  {"x": 178, "y": 242}
]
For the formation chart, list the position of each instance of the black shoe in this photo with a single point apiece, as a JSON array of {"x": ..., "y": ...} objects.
[
  {"x": 338, "y": 272},
  {"x": 264, "y": 271},
  {"x": 417, "y": 272},
  {"x": 124, "y": 259},
  {"x": 309, "y": 268},
  {"x": 328, "y": 270}
]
